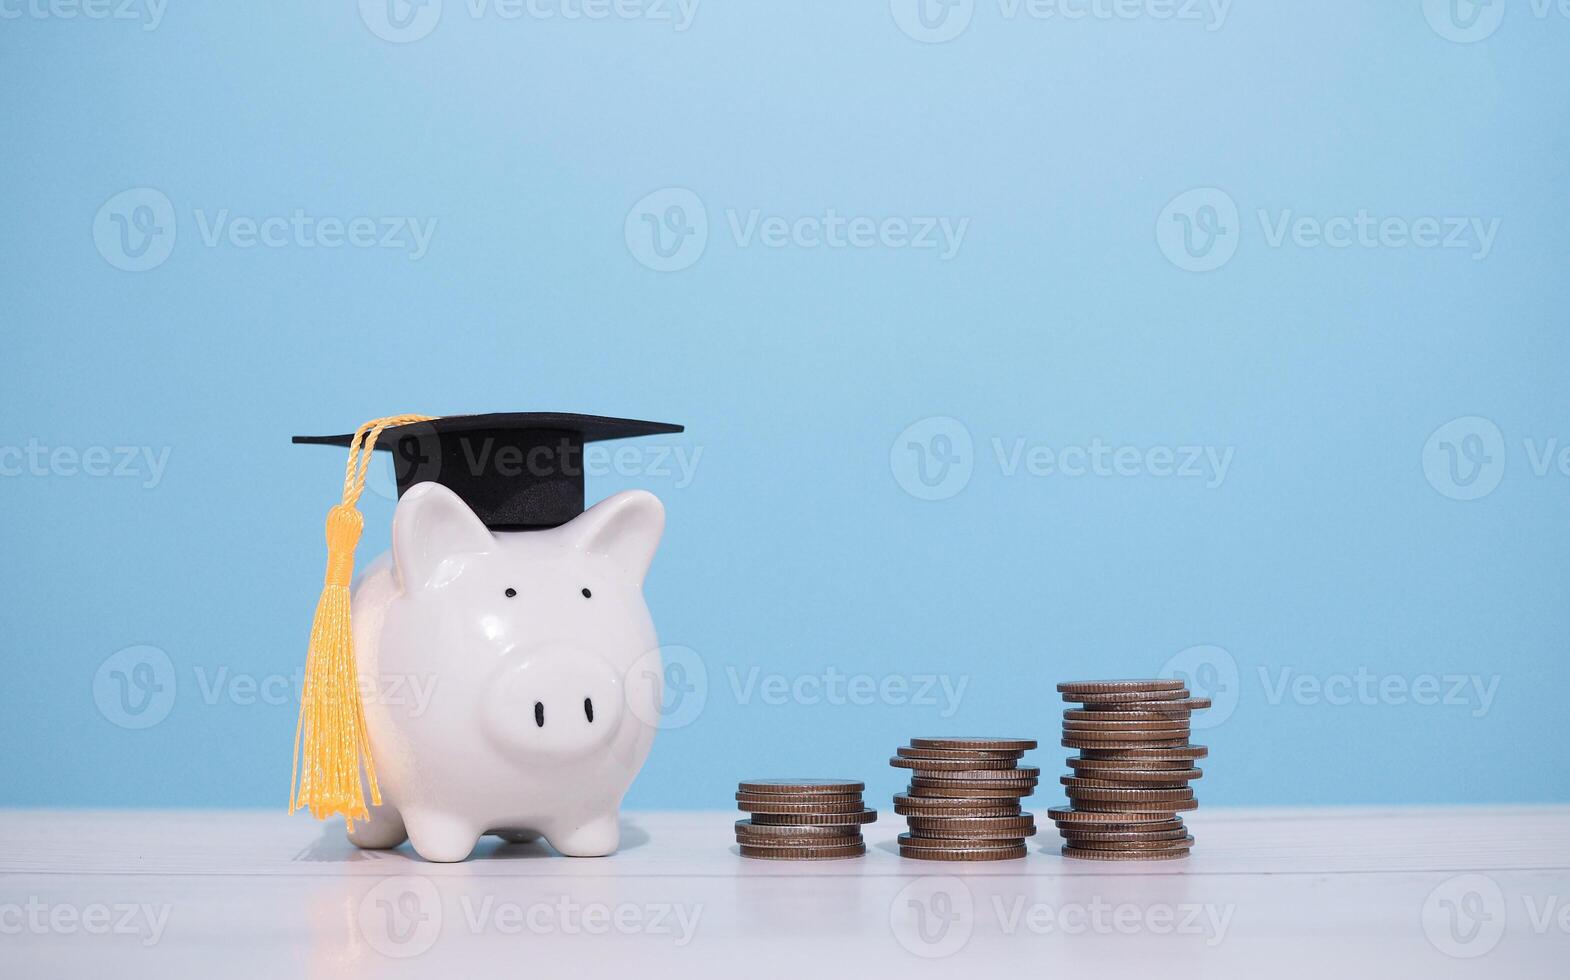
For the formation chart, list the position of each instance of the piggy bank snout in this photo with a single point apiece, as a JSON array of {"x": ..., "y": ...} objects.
[{"x": 558, "y": 702}]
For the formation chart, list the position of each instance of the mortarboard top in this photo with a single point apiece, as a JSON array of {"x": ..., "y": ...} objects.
[{"x": 517, "y": 471}]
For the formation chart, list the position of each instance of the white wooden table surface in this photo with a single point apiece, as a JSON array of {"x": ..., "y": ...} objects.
[{"x": 1275, "y": 893}]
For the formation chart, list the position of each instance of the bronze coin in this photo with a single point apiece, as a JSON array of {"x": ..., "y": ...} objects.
[
  {"x": 1148, "y": 753},
  {"x": 1090, "y": 855},
  {"x": 785, "y": 808},
  {"x": 945, "y": 765},
  {"x": 785, "y": 831},
  {"x": 1025, "y": 823},
  {"x": 970, "y": 792},
  {"x": 917, "y": 843},
  {"x": 798, "y": 797},
  {"x": 1082, "y": 764},
  {"x": 911, "y": 752},
  {"x": 968, "y": 854},
  {"x": 815, "y": 819},
  {"x": 1111, "y": 832},
  {"x": 1180, "y": 727},
  {"x": 953, "y": 807},
  {"x": 1012, "y": 775},
  {"x": 1111, "y": 687},
  {"x": 1101, "y": 744},
  {"x": 1168, "y": 807},
  {"x": 989, "y": 836},
  {"x": 1116, "y": 713},
  {"x": 1074, "y": 815},
  {"x": 1128, "y": 697},
  {"x": 1167, "y": 844},
  {"x": 975, "y": 742},
  {"x": 1114, "y": 738},
  {"x": 1118, "y": 782},
  {"x": 1127, "y": 794},
  {"x": 1122, "y": 724},
  {"x": 813, "y": 853},
  {"x": 791, "y": 787},
  {"x": 756, "y": 840},
  {"x": 1162, "y": 703}
]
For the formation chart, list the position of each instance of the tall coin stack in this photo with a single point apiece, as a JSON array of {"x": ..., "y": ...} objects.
[
  {"x": 802, "y": 819},
  {"x": 1133, "y": 772},
  {"x": 963, "y": 799}
]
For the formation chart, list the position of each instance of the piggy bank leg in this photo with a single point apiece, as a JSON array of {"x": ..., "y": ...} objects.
[
  {"x": 384, "y": 829},
  {"x": 440, "y": 837},
  {"x": 595, "y": 837}
]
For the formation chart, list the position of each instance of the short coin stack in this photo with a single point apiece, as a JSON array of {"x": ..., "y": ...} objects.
[
  {"x": 1132, "y": 776},
  {"x": 802, "y": 819},
  {"x": 963, "y": 799}
]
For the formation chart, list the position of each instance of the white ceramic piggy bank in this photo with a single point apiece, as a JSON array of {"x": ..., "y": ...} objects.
[{"x": 535, "y": 653}]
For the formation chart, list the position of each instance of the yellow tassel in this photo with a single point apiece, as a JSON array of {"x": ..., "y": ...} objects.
[{"x": 330, "y": 741}]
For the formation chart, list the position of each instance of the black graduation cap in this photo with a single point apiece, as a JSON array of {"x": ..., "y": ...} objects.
[{"x": 517, "y": 471}]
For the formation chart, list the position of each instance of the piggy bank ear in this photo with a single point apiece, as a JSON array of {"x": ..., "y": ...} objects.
[
  {"x": 432, "y": 531},
  {"x": 626, "y": 526}
]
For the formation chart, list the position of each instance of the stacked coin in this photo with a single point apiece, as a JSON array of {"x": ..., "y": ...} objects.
[
  {"x": 802, "y": 819},
  {"x": 1132, "y": 776},
  {"x": 963, "y": 799}
]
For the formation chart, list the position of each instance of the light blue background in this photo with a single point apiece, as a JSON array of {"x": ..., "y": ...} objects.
[{"x": 796, "y": 549}]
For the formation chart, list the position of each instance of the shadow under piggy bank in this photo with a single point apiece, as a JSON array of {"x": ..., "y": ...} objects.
[{"x": 332, "y": 847}]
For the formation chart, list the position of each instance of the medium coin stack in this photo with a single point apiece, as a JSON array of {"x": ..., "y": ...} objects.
[
  {"x": 802, "y": 819},
  {"x": 1132, "y": 776},
  {"x": 963, "y": 799}
]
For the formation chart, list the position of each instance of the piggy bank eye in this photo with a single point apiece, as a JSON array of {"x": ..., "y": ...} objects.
[
  {"x": 511, "y": 593},
  {"x": 587, "y": 593}
]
